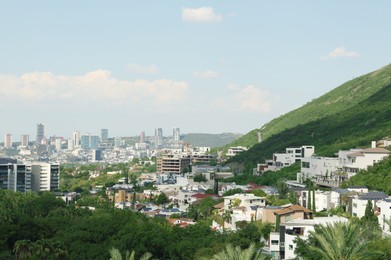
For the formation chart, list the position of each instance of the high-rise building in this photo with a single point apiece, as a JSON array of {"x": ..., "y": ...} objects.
[
  {"x": 97, "y": 155},
  {"x": 58, "y": 144},
  {"x": 104, "y": 135},
  {"x": 24, "y": 140},
  {"x": 29, "y": 177},
  {"x": 142, "y": 137},
  {"x": 41, "y": 133},
  {"x": 8, "y": 141},
  {"x": 159, "y": 137},
  {"x": 15, "y": 177},
  {"x": 89, "y": 141},
  {"x": 176, "y": 134},
  {"x": 75, "y": 140},
  {"x": 44, "y": 176}
]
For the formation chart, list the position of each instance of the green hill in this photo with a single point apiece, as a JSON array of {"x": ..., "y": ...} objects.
[
  {"x": 346, "y": 96},
  {"x": 363, "y": 116},
  {"x": 210, "y": 140}
]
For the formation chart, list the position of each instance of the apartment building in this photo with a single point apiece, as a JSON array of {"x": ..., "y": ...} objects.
[{"x": 172, "y": 164}]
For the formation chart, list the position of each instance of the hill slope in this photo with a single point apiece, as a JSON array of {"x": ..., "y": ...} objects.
[
  {"x": 210, "y": 140},
  {"x": 346, "y": 96},
  {"x": 355, "y": 126}
]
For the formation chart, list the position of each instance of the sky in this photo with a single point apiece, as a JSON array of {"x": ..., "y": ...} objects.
[{"x": 202, "y": 66}]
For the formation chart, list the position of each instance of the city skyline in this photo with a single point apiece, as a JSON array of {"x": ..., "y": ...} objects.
[{"x": 207, "y": 67}]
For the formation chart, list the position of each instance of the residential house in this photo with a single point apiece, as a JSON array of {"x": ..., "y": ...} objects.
[{"x": 282, "y": 243}]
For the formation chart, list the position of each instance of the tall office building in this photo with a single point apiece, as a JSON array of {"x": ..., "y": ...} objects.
[
  {"x": 15, "y": 177},
  {"x": 44, "y": 176},
  {"x": 142, "y": 137},
  {"x": 41, "y": 132},
  {"x": 89, "y": 141},
  {"x": 24, "y": 140},
  {"x": 159, "y": 136},
  {"x": 176, "y": 134},
  {"x": 34, "y": 176},
  {"x": 104, "y": 135},
  {"x": 8, "y": 141},
  {"x": 75, "y": 140},
  {"x": 58, "y": 144}
]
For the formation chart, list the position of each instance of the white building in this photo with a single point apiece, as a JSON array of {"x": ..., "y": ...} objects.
[
  {"x": 318, "y": 167},
  {"x": 360, "y": 159},
  {"x": 282, "y": 244},
  {"x": 384, "y": 211},
  {"x": 24, "y": 140},
  {"x": 8, "y": 141},
  {"x": 244, "y": 207},
  {"x": 232, "y": 151},
  {"x": 358, "y": 203}
]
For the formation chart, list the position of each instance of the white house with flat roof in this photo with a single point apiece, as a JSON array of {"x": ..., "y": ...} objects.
[{"x": 282, "y": 243}]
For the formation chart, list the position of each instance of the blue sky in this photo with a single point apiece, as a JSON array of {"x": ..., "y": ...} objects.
[{"x": 203, "y": 66}]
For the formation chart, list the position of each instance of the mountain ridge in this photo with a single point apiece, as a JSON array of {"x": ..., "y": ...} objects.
[{"x": 366, "y": 119}]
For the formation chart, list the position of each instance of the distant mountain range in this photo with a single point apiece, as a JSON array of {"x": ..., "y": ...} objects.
[
  {"x": 349, "y": 116},
  {"x": 210, "y": 140}
]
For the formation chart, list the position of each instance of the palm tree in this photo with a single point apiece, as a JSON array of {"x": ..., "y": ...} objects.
[
  {"x": 236, "y": 253},
  {"x": 337, "y": 241},
  {"x": 23, "y": 249},
  {"x": 115, "y": 254}
]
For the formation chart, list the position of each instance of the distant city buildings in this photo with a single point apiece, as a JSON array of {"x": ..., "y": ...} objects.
[
  {"x": 89, "y": 141},
  {"x": 8, "y": 141},
  {"x": 24, "y": 140},
  {"x": 41, "y": 133},
  {"x": 104, "y": 135},
  {"x": 176, "y": 134}
]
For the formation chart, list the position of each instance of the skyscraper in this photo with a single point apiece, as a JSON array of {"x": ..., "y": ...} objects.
[
  {"x": 24, "y": 140},
  {"x": 89, "y": 141},
  {"x": 176, "y": 134},
  {"x": 41, "y": 132},
  {"x": 142, "y": 137},
  {"x": 8, "y": 141},
  {"x": 75, "y": 140},
  {"x": 104, "y": 135},
  {"x": 159, "y": 136}
]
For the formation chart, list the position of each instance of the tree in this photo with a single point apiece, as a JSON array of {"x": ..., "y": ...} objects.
[
  {"x": 236, "y": 253},
  {"x": 199, "y": 178},
  {"x": 336, "y": 241},
  {"x": 115, "y": 254},
  {"x": 282, "y": 188},
  {"x": 161, "y": 199}
]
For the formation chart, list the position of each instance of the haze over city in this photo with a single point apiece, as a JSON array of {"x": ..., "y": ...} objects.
[{"x": 203, "y": 66}]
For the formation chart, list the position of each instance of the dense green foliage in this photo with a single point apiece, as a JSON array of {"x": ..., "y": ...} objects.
[
  {"x": 268, "y": 178},
  {"x": 33, "y": 224},
  {"x": 342, "y": 98},
  {"x": 377, "y": 177},
  {"x": 343, "y": 241},
  {"x": 354, "y": 127},
  {"x": 210, "y": 140}
]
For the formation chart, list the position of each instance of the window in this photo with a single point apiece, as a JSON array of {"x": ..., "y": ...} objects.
[
  {"x": 354, "y": 205},
  {"x": 274, "y": 242},
  {"x": 287, "y": 217},
  {"x": 290, "y": 247}
]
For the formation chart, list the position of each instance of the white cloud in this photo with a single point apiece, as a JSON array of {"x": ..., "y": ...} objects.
[
  {"x": 208, "y": 74},
  {"x": 340, "y": 52},
  {"x": 96, "y": 86},
  {"x": 152, "y": 69},
  {"x": 202, "y": 14},
  {"x": 248, "y": 99}
]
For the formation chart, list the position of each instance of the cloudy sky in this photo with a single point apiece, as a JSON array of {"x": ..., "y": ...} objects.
[{"x": 203, "y": 66}]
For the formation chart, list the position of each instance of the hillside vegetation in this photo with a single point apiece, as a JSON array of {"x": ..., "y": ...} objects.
[
  {"x": 355, "y": 126},
  {"x": 377, "y": 177},
  {"x": 210, "y": 140},
  {"x": 342, "y": 98}
]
